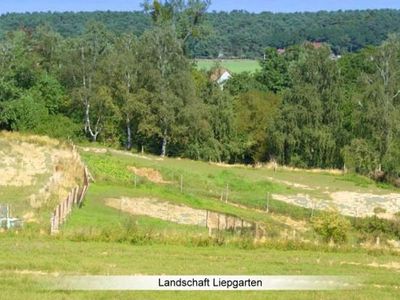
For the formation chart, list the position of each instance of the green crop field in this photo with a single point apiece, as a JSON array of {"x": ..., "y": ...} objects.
[
  {"x": 99, "y": 240},
  {"x": 233, "y": 65}
]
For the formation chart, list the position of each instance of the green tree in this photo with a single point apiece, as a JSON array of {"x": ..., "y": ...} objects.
[
  {"x": 254, "y": 113},
  {"x": 82, "y": 73},
  {"x": 186, "y": 16},
  {"x": 166, "y": 76},
  {"x": 274, "y": 71}
]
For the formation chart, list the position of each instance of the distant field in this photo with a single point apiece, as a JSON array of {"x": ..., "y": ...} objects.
[{"x": 233, "y": 65}]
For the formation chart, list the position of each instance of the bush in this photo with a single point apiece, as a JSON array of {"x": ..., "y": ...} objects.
[
  {"x": 331, "y": 226},
  {"x": 360, "y": 157},
  {"x": 375, "y": 227},
  {"x": 58, "y": 126}
]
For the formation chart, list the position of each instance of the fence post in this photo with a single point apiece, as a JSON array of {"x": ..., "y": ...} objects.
[
  {"x": 64, "y": 208},
  {"x": 135, "y": 180},
  {"x": 227, "y": 193}
]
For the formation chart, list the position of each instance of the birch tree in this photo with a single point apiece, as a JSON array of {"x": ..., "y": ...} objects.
[
  {"x": 165, "y": 74},
  {"x": 82, "y": 71}
]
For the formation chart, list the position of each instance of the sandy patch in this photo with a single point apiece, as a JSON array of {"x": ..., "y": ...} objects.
[
  {"x": 348, "y": 203},
  {"x": 292, "y": 184},
  {"x": 21, "y": 164},
  {"x": 363, "y": 204},
  {"x": 94, "y": 150},
  {"x": 30, "y": 272},
  {"x": 180, "y": 214},
  {"x": 391, "y": 265},
  {"x": 151, "y": 174},
  {"x": 49, "y": 169}
]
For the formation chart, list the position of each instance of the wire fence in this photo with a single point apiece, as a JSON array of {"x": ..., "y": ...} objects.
[{"x": 64, "y": 208}]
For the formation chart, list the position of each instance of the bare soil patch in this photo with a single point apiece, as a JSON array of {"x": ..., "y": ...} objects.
[
  {"x": 348, "y": 203},
  {"x": 292, "y": 184},
  {"x": 151, "y": 174},
  {"x": 180, "y": 214},
  {"x": 47, "y": 169}
]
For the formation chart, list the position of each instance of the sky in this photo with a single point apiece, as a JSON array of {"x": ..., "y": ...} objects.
[{"x": 218, "y": 5}]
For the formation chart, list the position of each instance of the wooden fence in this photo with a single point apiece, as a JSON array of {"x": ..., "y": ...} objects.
[{"x": 74, "y": 199}]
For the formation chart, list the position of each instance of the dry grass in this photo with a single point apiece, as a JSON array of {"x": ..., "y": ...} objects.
[{"x": 36, "y": 173}]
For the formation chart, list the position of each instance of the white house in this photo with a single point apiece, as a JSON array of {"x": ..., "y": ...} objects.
[{"x": 220, "y": 76}]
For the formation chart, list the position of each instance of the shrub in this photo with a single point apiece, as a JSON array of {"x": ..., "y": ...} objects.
[
  {"x": 375, "y": 226},
  {"x": 331, "y": 226},
  {"x": 379, "y": 210}
]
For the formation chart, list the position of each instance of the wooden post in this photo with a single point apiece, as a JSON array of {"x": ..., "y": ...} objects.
[
  {"x": 69, "y": 203},
  {"x": 8, "y": 225},
  {"x": 312, "y": 209},
  {"x": 227, "y": 193},
  {"x": 268, "y": 202},
  {"x": 73, "y": 197},
  {"x": 59, "y": 213},
  {"x": 135, "y": 180},
  {"x": 52, "y": 224},
  {"x": 75, "y": 194}
]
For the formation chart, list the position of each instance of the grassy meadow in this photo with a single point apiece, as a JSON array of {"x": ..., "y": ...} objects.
[
  {"x": 233, "y": 65},
  {"x": 22, "y": 277},
  {"x": 100, "y": 240}
]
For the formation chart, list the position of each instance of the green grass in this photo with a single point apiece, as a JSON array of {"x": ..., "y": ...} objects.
[
  {"x": 49, "y": 255},
  {"x": 99, "y": 240},
  {"x": 233, "y": 65},
  {"x": 207, "y": 182},
  {"x": 203, "y": 184},
  {"x": 94, "y": 215}
]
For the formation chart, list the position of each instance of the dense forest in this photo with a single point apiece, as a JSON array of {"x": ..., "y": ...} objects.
[
  {"x": 234, "y": 34},
  {"x": 302, "y": 108}
]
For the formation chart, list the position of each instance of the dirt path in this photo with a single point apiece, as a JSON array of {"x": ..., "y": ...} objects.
[{"x": 176, "y": 213}]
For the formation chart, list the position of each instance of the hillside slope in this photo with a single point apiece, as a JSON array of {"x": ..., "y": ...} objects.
[
  {"x": 35, "y": 174},
  {"x": 238, "y": 33}
]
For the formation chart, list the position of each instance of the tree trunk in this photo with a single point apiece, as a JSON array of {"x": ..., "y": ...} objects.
[
  {"x": 87, "y": 118},
  {"x": 129, "y": 134},
  {"x": 94, "y": 136},
  {"x": 164, "y": 145}
]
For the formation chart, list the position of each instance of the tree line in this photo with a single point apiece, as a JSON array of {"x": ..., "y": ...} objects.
[
  {"x": 302, "y": 108},
  {"x": 236, "y": 33}
]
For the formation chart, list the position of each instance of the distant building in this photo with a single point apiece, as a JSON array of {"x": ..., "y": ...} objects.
[
  {"x": 281, "y": 50},
  {"x": 333, "y": 56},
  {"x": 317, "y": 45},
  {"x": 220, "y": 76}
]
